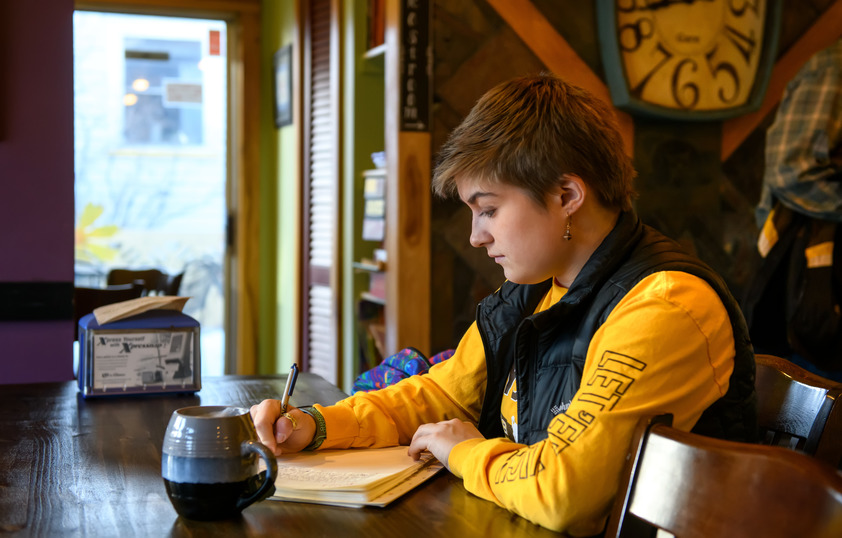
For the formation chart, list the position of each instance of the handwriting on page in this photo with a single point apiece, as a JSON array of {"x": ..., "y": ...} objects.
[{"x": 320, "y": 478}]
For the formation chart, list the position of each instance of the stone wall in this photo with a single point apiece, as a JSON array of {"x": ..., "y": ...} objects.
[{"x": 685, "y": 189}]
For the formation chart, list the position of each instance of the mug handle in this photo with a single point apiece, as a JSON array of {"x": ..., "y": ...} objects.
[{"x": 267, "y": 488}]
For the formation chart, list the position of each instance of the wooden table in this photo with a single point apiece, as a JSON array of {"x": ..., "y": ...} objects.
[{"x": 70, "y": 467}]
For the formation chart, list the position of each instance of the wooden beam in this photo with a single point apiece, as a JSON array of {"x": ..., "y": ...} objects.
[
  {"x": 408, "y": 202},
  {"x": 824, "y": 32},
  {"x": 556, "y": 53}
]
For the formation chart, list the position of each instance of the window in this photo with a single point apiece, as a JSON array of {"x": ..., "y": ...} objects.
[{"x": 163, "y": 95}]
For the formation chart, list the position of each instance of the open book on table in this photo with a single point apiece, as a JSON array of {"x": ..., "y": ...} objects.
[{"x": 354, "y": 477}]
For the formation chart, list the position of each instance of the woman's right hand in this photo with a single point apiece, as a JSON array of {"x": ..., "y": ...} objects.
[{"x": 280, "y": 433}]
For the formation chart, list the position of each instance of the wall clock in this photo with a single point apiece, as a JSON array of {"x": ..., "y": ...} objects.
[{"x": 688, "y": 59}]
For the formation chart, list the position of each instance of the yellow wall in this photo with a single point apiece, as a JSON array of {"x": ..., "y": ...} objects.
[{"x": 279, "y": 326}]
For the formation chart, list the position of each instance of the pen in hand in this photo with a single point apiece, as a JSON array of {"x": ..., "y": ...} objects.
[{"x": 293, "y": 375}]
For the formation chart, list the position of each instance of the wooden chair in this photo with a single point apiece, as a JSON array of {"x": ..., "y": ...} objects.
[
  {"x": 156, "y": 282},
  {"x": 85, "y": 300},
  {"x": 694, "y": 486},
  {"x": 798, "y": 409},
  {"x": 173, "y": 284}
]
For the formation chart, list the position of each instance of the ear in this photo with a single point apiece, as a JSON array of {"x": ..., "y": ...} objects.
[{"x": 572, "y": 191}]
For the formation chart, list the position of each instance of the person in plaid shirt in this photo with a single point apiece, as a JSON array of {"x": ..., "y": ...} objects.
[
  {"x": 804, "y": 145},
  {"x": 793, "y": 305}
]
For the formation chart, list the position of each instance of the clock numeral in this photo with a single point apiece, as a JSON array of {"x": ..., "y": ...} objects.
[
  {"x": 632, "y": 35},
  {"x": 743, "y": 6},
  {"x": 744, "y": 43},
  {"x": 638, "y": 89},
  {"x": 687, "y": 94},
  {"x": 728, "y": 69}
]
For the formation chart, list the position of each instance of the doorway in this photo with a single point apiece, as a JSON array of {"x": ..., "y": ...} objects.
[{"x": 151, "y": 158}]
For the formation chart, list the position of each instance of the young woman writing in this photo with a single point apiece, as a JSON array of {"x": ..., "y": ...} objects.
[{"x": 601, "y": 320}]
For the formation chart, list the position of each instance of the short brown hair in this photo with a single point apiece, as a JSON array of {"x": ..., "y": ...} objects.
[{"x": 530, "y": 131}]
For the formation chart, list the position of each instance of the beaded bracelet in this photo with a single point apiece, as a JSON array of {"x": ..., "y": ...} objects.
[{"x": 321, "y": 428}]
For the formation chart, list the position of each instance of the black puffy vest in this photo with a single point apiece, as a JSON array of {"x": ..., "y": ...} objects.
[{"x": 550, "y": 347}]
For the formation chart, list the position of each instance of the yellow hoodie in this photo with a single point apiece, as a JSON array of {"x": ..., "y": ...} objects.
[{"x": 667, "y": 346}]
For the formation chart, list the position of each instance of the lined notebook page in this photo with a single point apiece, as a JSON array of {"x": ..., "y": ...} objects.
[{"x": 354, "y": 477}]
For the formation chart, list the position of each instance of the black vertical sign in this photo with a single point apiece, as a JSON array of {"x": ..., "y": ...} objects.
[{"x": 416, "y": 65}]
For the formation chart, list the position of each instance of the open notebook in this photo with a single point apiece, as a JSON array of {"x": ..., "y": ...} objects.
[{"x": 354, "y": 477}]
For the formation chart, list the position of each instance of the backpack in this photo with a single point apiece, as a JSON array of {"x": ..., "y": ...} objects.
[
  {"x": 793, "y": 303},
  {"x": 406, "y": 362}
]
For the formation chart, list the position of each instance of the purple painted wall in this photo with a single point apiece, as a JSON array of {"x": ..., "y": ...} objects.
[{"x": 36, "y": 178}]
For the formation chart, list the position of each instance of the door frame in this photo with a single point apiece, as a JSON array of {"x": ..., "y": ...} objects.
[{"x": 243, "y": 262}]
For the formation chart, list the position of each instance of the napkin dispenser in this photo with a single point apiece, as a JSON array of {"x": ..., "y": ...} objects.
[{"x": 153, "y": 352}]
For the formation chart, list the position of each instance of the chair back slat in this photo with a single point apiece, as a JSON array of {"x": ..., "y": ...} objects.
[
  {"x": 794, "y": 407},
  {"x": 694, "y": 486},
  {"x": 829, "y": 443},
  {"x": 174, "y": 284},
  {"x": 155, "y": 281}
]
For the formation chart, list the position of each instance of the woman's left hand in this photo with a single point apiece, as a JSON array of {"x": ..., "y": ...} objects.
[{"x": 441, "y": 437}]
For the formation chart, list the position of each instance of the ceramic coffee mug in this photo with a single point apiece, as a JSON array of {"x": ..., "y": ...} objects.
[{"x": 210, "y": 462}]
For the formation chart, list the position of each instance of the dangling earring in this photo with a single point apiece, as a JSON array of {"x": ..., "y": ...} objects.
[{"x": 567, "y": 235}]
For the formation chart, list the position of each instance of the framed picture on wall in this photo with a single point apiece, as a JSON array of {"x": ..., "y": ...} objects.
[{"x": 283, "y": 86}]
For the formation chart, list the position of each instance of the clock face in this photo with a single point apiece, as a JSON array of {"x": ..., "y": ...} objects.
[{"x": 694, "y": 57}]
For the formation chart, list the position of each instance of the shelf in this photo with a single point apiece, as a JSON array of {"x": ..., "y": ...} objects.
[
  {"x": 369, "y": 267},
  {"x": 402, "y": 186},
  {"x": 377, "y": 52},
  {"x": 366, "y": 296},
  {"x": 373, "y": 60}
]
